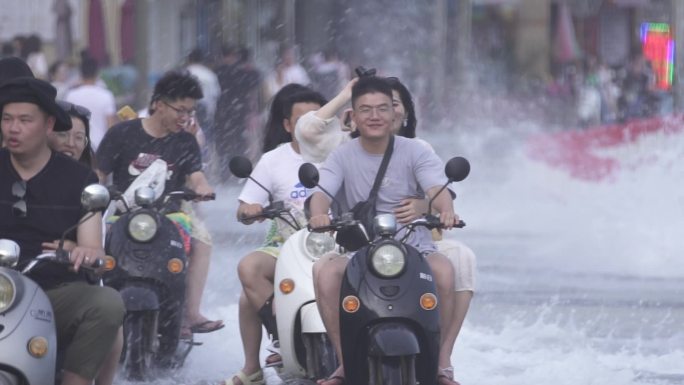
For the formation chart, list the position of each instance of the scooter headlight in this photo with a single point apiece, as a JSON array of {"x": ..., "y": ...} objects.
[
  {"x": 388, "y": 260},
  {"x": 318, "y": 244},
  {"x": 7, "y": 293},
  {"x": 142, "y": 227}
]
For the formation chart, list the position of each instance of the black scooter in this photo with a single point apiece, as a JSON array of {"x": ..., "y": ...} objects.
[
  {"x": 146, "y": 262},
  {"x": 389, "y": 310}
]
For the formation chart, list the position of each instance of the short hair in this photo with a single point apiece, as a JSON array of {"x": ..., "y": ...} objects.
[
  {"x": 370, "y": 84},
  {"x": 175, "y": 85},
  {"x": 89, "y": 68}
]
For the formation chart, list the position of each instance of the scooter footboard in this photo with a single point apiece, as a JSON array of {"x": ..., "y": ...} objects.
[
  {"x": 311, "y": 319},
  {"x": 392, "y": 339}
]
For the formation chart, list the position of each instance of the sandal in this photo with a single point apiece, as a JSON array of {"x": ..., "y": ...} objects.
[
  {"x": 274, "y": 359},
  {"x": 207, "y": 326},
  {"x": 446, "y": 374},
  {"x": 256, "y": 378}
]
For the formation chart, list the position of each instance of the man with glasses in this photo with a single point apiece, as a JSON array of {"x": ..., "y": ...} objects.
[
  {"x": 40, "y": 192},
  {"x": 352, "y": 167},
  {"x": 130, "y": 147}
]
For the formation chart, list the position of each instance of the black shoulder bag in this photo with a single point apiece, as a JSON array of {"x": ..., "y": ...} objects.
[{"x": 365, "y": 211}]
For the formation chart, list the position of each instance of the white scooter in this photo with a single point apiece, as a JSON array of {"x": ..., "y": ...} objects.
[
  {"x": 304, "y": 346},
  {"x": 28, "y": 339}
]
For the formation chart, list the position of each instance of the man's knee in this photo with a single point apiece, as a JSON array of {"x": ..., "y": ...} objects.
[
  {"x": 247, "y": 269},
  {"x": 107, "y": 307}
]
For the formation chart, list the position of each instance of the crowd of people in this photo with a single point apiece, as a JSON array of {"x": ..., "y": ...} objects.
[
  {"x": 605, "y": 94},
  {"x": 50, "y": 132}
]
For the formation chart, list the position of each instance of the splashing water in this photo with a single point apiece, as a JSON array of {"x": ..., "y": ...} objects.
[{"x": 579, "y": 282}]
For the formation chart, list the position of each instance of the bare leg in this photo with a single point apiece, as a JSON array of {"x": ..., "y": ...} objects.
[
  {"x": 71, "y": 378},
  {"x": 198, "y": 269},
  {"x": 443, "y": 272},
  {"x": 256, "y": 271},
  {"x": 111, "y": 364},
  {"x": 327, "y": 274},
  {"x": 250, "y": 332},
  {"x": 460, "y": 309}
]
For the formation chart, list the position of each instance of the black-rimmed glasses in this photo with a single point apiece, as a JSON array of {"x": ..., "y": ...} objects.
[
  {"x": 180, "y": 111},
  {"x": 19, "y": 191}
]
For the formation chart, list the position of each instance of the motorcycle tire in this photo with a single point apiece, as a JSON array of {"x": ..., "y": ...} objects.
[
  {"x": 321, "y": 360},
  {"x": 138, "y": 345},
  {"x": 398, "y": 370}
]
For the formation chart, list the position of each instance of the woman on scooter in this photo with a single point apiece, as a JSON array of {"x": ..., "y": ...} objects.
[
  {"x": 277, "y": 171},
  {"x": 319, "y": 132},
  {"x": 75, "y": 143}
]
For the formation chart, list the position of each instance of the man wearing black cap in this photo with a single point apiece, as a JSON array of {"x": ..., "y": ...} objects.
[{"x": 39, "y": 199}]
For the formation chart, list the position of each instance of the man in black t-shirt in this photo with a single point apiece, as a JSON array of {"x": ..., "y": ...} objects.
[
  {"x": 39, "y": 200},
  {"x": 130, "y": 147}
]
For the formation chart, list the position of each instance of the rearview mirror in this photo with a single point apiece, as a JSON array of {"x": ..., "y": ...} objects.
[
  {"x": 240, "y": 166},
  {"x": 308, "y": 175},
  {"x": 9, "y": 253},
  {"x": 457, "y": 169},
  {"x": 95, "y": 197}
]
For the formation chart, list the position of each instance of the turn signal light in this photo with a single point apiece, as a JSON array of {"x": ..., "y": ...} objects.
[
  {"x": 351, "y": 304},
  {"x": 109, "y": 263},
  {"x": 38, "y": 347},
  {"x": 428, "y": 301},
  {"x": 287, "y": 286},
  {"x": 175, "y": 265}
]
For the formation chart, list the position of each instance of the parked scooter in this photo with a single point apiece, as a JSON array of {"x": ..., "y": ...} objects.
[
  {"x": 146, "y": 262},
  {"x": 389, "y": 311},
  {"x": 305, "y": 348},
  {"x": 28, "y": 339}
]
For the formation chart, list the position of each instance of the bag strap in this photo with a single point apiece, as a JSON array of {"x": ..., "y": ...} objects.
[{"x": 382, "y": 169}]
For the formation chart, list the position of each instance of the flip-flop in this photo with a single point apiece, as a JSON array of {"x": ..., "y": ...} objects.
[
  {"x": 339, "y": 380},
  {"x": 256, "y": 378},
  {"x": 207, "y": 326},
  {"x": 274, "y": 360}
]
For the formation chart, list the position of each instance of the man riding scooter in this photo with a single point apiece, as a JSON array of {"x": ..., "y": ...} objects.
[
  {"x": 130, "y": 147},
  {"x": 39, "y": 200},
  {"x": 411, "y": 168}
]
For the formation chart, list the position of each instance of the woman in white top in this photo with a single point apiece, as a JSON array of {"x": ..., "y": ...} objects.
[{"x": 277, "y": 171}]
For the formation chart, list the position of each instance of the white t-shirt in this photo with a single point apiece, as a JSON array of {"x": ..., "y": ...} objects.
[
  {"x": 210, "y": 87},
  {"x": 277, "y": 170},
  {"x": 100, "y": 102}
]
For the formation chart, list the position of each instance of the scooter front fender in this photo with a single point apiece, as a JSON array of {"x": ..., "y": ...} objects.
[
  {"x": 392, "y": 339},
  {"x": 311, "y": 319},
  {"x": 139, "y": 298},
  {"x": 31, "y": 316}
]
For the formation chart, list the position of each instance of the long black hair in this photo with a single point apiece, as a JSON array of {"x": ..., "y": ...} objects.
[
  {"x": 83, "y": 114},
  {"x": 407, "y": 130},
  {"x": 281, "y": 109}
]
